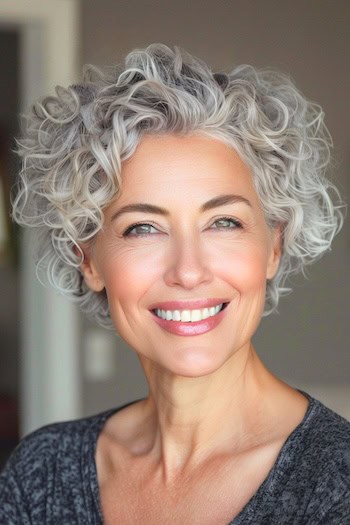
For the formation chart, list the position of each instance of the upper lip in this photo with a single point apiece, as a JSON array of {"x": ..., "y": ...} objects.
[{"x": 188, "y": 305}]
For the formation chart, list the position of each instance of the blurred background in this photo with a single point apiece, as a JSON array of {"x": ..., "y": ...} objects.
[{"x": 54, "y": 365}]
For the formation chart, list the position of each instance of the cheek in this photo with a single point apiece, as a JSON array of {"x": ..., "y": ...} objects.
[
  {"x": 245, "y": 268},
  {"x": 128, "y": 276},
  {"x": 253, "y": 271},
  {"x": 249, "y": 281}
]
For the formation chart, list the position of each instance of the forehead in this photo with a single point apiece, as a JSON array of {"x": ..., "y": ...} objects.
[{"x": 165, "y": 165}]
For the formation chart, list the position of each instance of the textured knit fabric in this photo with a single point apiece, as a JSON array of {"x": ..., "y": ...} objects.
[{"x": 51, "y": 479}]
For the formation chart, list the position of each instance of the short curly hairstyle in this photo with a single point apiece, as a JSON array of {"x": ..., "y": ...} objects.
[{"x": 73, "y": 145}]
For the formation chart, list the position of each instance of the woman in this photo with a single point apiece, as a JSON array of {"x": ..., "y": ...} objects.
[{"x": 172, "y": 203}]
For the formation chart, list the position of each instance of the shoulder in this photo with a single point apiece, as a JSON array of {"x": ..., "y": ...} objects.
[
  {"x": 310, "y": 482},
  {"x": 323, "y": 461},
  {"x": 46, "y": 462},
  {"x": 36, "y": 448},
  {"x": 326, "y": 437}
]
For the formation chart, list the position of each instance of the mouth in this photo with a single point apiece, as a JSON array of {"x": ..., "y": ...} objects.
[{"x": 189, "y": 316}]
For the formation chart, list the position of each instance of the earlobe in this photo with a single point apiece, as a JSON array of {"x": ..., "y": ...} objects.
[
  {"x": 90, "y": 272},
  {"x": 276, "y": 252}
]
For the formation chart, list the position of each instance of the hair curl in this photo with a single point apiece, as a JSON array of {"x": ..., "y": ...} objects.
[{"x": 73, "y": 145}]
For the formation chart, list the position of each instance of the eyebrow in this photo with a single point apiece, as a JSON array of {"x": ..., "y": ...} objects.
[{"x": 221, "y": 200}]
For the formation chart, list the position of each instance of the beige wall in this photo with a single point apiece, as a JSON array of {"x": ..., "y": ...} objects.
[{"x": 307, "y": 343}]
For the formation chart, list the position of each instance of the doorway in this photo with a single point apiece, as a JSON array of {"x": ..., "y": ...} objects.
[
  {"x": 39, "y": 332},
  {"x": 9, "y": 271}
]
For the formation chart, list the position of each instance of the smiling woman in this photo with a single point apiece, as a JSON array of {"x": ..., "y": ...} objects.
[
  {"x": 201, "y": 251},
  {"x": 172, "y": 204}
]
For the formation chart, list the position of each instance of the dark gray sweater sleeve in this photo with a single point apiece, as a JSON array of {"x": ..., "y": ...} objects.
[
  {"x": 339, "y": 513},
  {"x": 26, "y": 478},
  {"x": 12, "y": 502},
  {"x": 18, "y": 484},
  {"x": 47, "y": 480}
]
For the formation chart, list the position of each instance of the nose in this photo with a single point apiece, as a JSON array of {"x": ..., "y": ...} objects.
[{"x": 188, "y": 265}]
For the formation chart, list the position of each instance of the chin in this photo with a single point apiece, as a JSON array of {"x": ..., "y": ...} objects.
[{"x": 194, "y": 365}]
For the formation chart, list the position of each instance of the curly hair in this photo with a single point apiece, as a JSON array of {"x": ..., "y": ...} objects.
[{"x": 73, "y": 145}]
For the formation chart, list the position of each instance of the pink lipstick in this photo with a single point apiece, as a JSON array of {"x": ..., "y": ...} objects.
[{"x": 193, "y": 327}]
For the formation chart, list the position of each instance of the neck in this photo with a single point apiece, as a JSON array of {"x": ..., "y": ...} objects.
[{"x": 194, "y": 417}]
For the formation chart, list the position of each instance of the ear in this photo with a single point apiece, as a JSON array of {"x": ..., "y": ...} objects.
[
  {"x": 275, "y": 252},
  {"x": 89, "y": 269}
]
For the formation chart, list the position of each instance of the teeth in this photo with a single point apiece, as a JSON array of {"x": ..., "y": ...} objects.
[
  {"x": 175, "y": 315},
  {"x": 205, "y": 313},
  {"x": 196, "y": 315},
  {"x": 187, "y": 316}
]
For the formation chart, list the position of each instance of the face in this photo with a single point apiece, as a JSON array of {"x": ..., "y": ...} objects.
[{"x": 199, "y": 240}]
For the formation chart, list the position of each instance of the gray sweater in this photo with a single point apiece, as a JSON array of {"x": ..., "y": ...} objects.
[{"x": 51, "y": 476}]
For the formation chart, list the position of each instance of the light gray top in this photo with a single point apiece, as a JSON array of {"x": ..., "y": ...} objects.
[{"x": 51, "y": 477}]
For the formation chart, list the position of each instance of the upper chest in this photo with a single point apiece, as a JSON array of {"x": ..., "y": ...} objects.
[{"x": 214, "y": 495}]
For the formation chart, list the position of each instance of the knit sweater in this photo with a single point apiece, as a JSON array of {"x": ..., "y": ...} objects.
[{"x": 51, "y": 476}]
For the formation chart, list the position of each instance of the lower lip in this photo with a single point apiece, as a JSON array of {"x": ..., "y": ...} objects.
[{"x": 195, "y": 328}]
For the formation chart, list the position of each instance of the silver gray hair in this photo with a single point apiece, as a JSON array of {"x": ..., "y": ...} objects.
[{"x": 73, "y": 145}]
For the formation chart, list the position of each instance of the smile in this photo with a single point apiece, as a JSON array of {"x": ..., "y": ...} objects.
[
  {"x": 189, "y": 316},
  {"x": 190, "y": 322}
]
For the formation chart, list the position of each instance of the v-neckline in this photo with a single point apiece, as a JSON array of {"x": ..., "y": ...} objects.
[{"x": 92, "y": 434}]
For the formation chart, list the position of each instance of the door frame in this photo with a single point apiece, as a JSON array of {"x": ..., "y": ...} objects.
[{"x": 49, "y": 375}]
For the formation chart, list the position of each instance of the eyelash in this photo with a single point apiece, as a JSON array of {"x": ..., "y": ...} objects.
[{"x": 127, "y": 232}]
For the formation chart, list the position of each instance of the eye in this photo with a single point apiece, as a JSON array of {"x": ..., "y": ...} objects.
[
  {"x": 139, "y": 230},
  {"x": 226, "y": 223}
]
